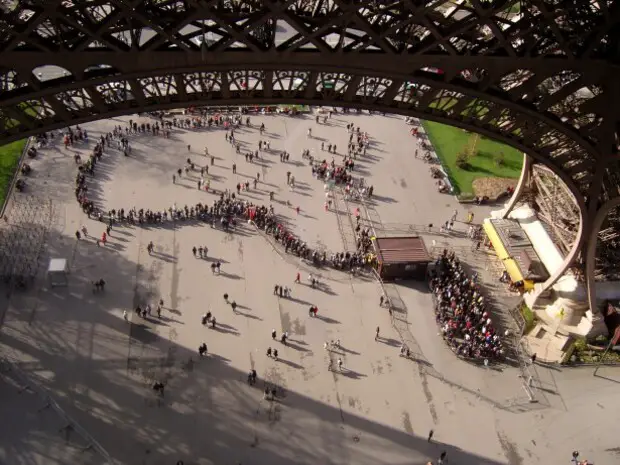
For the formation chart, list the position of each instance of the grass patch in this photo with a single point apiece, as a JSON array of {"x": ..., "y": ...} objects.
[
  {"x": 582, "y": 352},
  {"x": 448, "y": 141},
  {"x": 528, "y": 317},
  {"x": 9, "y": 157},
  {"x": 299, "y": 108}
]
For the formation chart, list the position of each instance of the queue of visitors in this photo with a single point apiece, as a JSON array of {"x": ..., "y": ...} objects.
[
  {"x": 461, "y": 311},
  {"x": 342, "y": 260},
  {"x": 223, "y": 212}
]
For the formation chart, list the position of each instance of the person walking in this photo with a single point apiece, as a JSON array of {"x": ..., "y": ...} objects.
[
  {"x": 430, "y": 436},
  {"x": 377, "y": 334},
  {"x": 298, "y": 277},
  {"x": 125, "y": 315},
  {"x": 273, "y": 334},
  {"x": 442, "y": 458}
]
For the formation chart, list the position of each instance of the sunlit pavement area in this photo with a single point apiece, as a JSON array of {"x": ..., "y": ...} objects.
[{"x": 75, "y": 345}]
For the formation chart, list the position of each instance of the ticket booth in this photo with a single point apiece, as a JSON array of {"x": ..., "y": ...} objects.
[{"x": 402, "y": 258}]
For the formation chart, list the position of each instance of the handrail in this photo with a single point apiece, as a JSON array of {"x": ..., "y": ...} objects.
[
  {"x": 11, "y": 187},
  {"x": 345, "y": 242},
  {"x": 522, "y": 352}
]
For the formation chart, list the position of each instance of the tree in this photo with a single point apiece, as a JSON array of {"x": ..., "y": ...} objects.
[
  {"x": 472, "y": 145},
  {"x": 462, "y": 160},
  {"x": 469, "y": 152},
  {"x": 501, "y": 159}
]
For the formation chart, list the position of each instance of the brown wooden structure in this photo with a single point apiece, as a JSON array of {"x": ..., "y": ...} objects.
[{"x": 402, "y": 258}]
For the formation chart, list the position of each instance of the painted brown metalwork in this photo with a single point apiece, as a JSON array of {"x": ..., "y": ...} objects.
[{"x": 540, "y": 75}]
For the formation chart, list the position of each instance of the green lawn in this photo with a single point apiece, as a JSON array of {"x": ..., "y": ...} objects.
[
  {"x": 448, "y": 141},
  {"x": 9, "y": 156},
  {"x": 300, "y": 108},
  {"x": 528, "y": 317}
]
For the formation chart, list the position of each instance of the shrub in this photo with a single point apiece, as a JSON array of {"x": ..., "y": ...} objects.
[
  {"x": 501, "y": 159},
  {"x": 528, "y": 317},
  {"x": 462, "y": 160}
]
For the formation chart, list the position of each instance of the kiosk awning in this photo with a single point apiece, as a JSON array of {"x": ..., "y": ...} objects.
[{"x": 510, "y": 264}]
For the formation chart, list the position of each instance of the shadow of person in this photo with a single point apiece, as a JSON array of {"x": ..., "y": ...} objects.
[{"x": 289, "y": 363}]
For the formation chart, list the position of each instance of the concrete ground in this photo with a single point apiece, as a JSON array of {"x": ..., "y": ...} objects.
[{"x": 99, "y": 368}]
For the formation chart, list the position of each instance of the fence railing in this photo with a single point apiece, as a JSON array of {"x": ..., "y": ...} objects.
[
  {"x": 47, "y": 401},
  {"x": 16, "y": 175},
  {"x": 522, "y": 352}
]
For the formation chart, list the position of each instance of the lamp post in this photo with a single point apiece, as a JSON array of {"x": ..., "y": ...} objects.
[{"x": 612, "y": 342}]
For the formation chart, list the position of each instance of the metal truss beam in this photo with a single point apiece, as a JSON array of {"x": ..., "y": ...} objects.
[{"x": 190, "y": 80}]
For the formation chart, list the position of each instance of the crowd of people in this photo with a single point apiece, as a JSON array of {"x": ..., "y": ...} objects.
[
  {"x": 224, "y": 212},
  {"x": 349, "y": 261},
  {"x": 461, "y": 311}
]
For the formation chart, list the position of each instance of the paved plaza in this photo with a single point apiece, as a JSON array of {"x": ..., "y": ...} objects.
[{"x": 75, "y": 344}]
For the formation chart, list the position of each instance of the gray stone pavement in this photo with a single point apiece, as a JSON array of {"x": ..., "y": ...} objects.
[
  {"x": 99, "y": 368},
  {"x": 39, "y": 431}
]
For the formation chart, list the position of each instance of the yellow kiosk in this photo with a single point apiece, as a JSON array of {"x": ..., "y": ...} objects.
[{"x": 515, "y": 251}]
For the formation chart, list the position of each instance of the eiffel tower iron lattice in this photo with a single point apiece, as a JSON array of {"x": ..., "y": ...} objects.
[{"x": 540, "y": 75}]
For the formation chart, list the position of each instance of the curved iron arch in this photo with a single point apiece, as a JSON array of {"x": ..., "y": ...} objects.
[
  {"x": 301, "y": 96},
  {"x": 354, "y": 74},
  {"x": 546, "y": 139}
]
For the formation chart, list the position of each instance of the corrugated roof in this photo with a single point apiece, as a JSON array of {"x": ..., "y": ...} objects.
[
  {"x": 402, "y": 250},
  {"x": 520, "y": 248}
]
